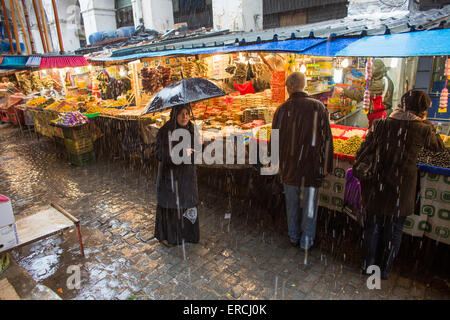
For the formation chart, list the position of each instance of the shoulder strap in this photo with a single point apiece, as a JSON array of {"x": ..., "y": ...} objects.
[{"x": 386, "y": 86}]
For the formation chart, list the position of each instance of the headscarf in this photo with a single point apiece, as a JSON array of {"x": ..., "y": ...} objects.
[{"x": 173, "y": 124}]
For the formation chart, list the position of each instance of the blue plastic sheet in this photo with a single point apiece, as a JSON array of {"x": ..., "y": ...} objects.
[
  {"x": 294, "y": 46},
  {"x": 14, "y": 62},
  {"x": 329, "y": 48},
  {"x": 435, "y": 170},
  {"x": 410, "y": 44}
]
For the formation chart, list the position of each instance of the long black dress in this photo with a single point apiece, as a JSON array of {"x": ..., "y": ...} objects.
[{"x": 175, "y": 182}]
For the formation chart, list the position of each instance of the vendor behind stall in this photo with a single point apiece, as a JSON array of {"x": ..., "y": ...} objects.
[
  {"x": 5, "y": 84},
  {"x": 381, "y": 90}
]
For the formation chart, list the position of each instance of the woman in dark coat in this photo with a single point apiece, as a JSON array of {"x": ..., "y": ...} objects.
[
  {"x": 391, "y": 196},
  {"x": 177, "y": 194}
]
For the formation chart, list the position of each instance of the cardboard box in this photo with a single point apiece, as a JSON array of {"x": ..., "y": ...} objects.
[
  {"x": 6, "y": 212},
  {"x": 8, "y": 237}
]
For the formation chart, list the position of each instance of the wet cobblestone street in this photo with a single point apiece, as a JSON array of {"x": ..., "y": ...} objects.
[{"x": 245, "y": 257}]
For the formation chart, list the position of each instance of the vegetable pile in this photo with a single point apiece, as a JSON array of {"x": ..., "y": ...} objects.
[{"x": 71, "y": 119}]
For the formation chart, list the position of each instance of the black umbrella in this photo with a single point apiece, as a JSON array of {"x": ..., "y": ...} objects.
[{"x": 183, "y": 92}]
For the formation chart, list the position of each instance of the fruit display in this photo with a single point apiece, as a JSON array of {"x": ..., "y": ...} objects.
[
  {"x": 347, "y": 147},
  {"x": 53, "y": 106},
  {"x": 67, "y": 107},
  {"x": 71, "y": 119},
  {"x": 278, "y": 86},
  {"x": 36, "y": 101},
  {"x": 355, "y": 132},
  {"x": 188, "y": 69},
  {"x": 94, "y": 109},
  {"x": 151, "y": 80},
  {"x": 165, "y": 75}
]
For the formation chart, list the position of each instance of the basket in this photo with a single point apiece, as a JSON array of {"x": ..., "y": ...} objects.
[
  {"x": 79, "y": 146},
  {"x": 82, "y": 159}
]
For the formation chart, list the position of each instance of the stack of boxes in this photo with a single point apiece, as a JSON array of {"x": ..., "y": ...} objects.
[{"x": 8, "y": 230}]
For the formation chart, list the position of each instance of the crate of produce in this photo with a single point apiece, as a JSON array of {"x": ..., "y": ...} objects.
[
  {"x": 345, "y": 132},
  {"x": 79, "y": 146},
  {"x": 82, "y": 159},
  {"x": 76, "y": 132}
]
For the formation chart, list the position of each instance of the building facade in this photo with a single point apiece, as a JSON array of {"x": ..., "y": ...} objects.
[{"x": 79, "y": 19}]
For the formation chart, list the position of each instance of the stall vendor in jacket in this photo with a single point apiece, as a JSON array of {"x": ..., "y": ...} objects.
[{"x": 381, "y": 90}]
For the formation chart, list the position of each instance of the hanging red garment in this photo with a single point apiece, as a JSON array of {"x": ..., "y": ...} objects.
[
  {"x": 245, "y": 87},
  {"x": 378, "y": 110}
]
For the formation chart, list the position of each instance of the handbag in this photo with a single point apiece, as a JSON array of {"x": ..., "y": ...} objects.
[{"x": 366, "y": 164}]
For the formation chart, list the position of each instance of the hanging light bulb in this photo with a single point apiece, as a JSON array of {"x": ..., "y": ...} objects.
[
  {"x": 303, "y": 68},
  {"x": 337, "y": 77},
  {"x": 122, "y": 73},
  {"x": 345, "y": 63}
]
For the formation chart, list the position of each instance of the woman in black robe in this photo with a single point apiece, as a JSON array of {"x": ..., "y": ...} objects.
[{"x": 177, "y": 193}]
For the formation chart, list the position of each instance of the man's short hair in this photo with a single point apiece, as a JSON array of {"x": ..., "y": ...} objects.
[{"x": 296, "y": 80}]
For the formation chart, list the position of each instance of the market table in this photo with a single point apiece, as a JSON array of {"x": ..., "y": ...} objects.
[{"x": 45, "y": 223}]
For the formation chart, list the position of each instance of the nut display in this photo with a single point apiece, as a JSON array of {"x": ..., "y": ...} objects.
[
  {"x": 349, "y": 146},
  {"x": 435, "y": 159}
]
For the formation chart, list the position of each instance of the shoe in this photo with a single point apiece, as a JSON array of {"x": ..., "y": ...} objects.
[
  {"x": 309, "y": 249},
  {"x": 167, "y": 244},
  {"x": 294, "y": 243}
]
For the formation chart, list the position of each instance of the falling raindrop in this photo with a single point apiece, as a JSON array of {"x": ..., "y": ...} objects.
[{"x": 276, "y": 286}]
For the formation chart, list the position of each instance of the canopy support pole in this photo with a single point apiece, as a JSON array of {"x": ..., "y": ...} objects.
[
  {"x": 55, "y": 11},
  {"x": 38, "y": 19},
  {"x": 27, "y": 20},
  {"x": 16, "y": 32},
  {"x": 22, "y": 25},
  {"x": 8, "y": 31},
  {"x": 44, "y": 23}
]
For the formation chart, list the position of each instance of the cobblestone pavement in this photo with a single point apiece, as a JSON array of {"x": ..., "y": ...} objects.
[{"x": 245, "y": 257}]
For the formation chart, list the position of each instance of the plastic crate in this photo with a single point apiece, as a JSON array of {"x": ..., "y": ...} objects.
[
  {"x": 77, "y": 132},
  {"x": 16, "y": 118},
  {"x": 82, "y": 159},
  {"x": 79, "y": 146}
]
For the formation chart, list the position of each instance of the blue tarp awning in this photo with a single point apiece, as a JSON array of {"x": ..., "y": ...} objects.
[
  {"x": 329, "y": 48},
  {"x": 418, "y": 43},
  {"x": 294, "y": 46},
  {"x": 14, "y": 62}
]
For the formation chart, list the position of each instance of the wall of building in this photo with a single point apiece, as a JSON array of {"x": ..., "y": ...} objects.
[
  {"x": 370, "y": 7},
  {"x": 237, "y": 15}
]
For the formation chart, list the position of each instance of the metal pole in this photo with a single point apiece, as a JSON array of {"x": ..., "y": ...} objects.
[
  {"x": 44, "y": 23},
  {"x": 38, "y": 19},
  {"x": 16, "y": 32},
  {"x": 55, "y": 11},
  {"x": 27, "y": 20},
  {"x": 8, "y": 31},
  {"x": 22, "y": 25}
]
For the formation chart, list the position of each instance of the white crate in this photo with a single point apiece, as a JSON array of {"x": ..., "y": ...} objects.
[
  {"x": 6, "y": 212},
  {"x": 8, "y": 237}
]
